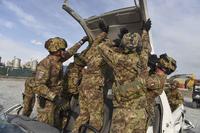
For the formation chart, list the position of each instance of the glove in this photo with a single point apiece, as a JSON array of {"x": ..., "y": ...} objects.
[
  {"x": 83, "y": 40},
  {"x": 153, "y": 60},
  {"x": 58, "y": 101},
  {"x": 103, "y": 26},
  {"x": 147, "y": 25},
  {"x": 42, "y": 101},
  {"x": 122, "y": 32},
  {"x": 117, "y": 42}
]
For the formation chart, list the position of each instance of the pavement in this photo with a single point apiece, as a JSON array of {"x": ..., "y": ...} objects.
[
  {"x": 11, "y": 94},
  {"x": 192, "y": 114}
]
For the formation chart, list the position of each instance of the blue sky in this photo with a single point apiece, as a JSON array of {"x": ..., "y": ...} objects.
[{"x": 26, "y": 24}]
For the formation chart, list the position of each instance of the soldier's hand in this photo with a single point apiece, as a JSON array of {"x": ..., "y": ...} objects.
[
  {"x": 103, "y": 26},
  {"x": 122, "y": 32},
  {"x": 83, "y": 40},
  {"x": 147, "y": 25},
  {"x": 58, "y": 101}
]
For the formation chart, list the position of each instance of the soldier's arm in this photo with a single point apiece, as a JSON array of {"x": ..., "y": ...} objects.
[
  {"x": 131, "y": 90},
  {"x": 155, "y": 84},
  {"x": 99, "y": 38},
  {"x": 41, "y": 78},
  {"x": 109, "y": 55},
  {"x": 72, "y": 78},
  {"x": 145, "y": 36},
  {"x": 71, "y": 51},
  {"x": 146, "y": 49}
]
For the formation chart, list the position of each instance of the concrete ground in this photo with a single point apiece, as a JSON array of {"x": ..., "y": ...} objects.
[
  {"x": 11, "y": 94},
  {"x": 193, "y": 115}
]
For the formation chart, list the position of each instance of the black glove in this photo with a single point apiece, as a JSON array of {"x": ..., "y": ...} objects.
[
  {"x": 117, "y": 42},
  {"x": 152, "y": 61},
  {"x": 147, "y": 25},
  {"x": 122, "y": 32},
  {"x": 103, "y": 26},
  {"x": 42, "y": 101},
  {"x": 59, "y": 101},
  {"x": 83, "y": 40}
]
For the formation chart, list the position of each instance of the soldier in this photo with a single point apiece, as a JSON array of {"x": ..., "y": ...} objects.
[
  {"x": 28, "y": 97},
  {"x": 168, "y": 65},
  {"x": 174, "y": 96},
  {"x": 91, "y": 87},
  {"x": 130, "y": 111},
  {"x": 73, "y": 75},
  {"x": 48, "y": 82},
  {"x": 129, "y": 94},
  {"x": 72, "y": 80}
]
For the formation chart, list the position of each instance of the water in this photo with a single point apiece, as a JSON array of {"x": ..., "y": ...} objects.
[{"x": 10, "y": 92}]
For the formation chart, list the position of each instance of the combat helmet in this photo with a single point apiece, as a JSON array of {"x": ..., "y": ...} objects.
[
  {"x": 167, "y": 63},
  {"x": 131, "y": 41},
  {"x": 55, "y": 44},
  {"x": 174, "y": 84}
]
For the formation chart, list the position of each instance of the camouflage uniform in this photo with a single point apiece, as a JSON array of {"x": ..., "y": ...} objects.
[
  {"x": 145, "y": 52},
  {"x": 28, "y": 97},
  {"x": 72, "y": 80},
  {"x": 49, "y": 83},
  {"x": 91, "y": 88},
  {"x": 151, "y": 94},
  {"x": 129, "y": 98},
  {"x": 73, "y": 76},
  {"x": 174, "y": 96}
]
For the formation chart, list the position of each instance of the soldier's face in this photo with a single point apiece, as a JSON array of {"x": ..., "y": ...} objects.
[{"x": 62, "y": 53}]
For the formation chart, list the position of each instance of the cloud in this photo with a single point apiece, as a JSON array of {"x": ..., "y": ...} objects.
[
  {"x": 24, "y": 17},
  {"x": 10, "y": 48},
  {"x": 6, "y": 23},
  {"x": 35, "y": 42},
  {"x": 29, "y": 20},
  {"x": 176, "y": 32}
]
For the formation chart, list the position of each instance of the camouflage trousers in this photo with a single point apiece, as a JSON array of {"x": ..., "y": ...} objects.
[
  {"x": 150, "y": 110},
  {"x": 46, "y": 114},
  {"x": 28, "y": 99},
  {"x": 91, "y": 104},
  {"x": 127, "y": 120},
  {"x": 51, "y": 115},
  {"x": 28, "y": 104}
]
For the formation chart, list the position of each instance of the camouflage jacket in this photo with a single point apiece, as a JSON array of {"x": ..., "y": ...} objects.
[
  {"x": 136, "y": 91},
  {"x": 146, "y": 50},
  {"x": 73, "y": 76},
  {"x": 49, "y": 74},
  {"x": 29, "y": 87},
  {"x": 155, "y": 86},
  {"x": 94, "y": 61},
  {"x": 174, "y": 97},
  {"x": 126, "y": 66}
]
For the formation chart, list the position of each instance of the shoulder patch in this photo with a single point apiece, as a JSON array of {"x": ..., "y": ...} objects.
[{"x": 39, "y": 75}]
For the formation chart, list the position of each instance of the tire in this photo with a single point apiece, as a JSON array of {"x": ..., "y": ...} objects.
[{"x": 194, "y": 104}]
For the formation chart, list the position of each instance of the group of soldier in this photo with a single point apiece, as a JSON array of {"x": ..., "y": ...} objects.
[{"x": 113, "y": 70}]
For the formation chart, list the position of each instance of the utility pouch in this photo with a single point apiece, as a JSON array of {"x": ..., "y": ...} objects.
[
  {"x": 42, "y": 101},
  {"x": 23, "y": 96}
]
